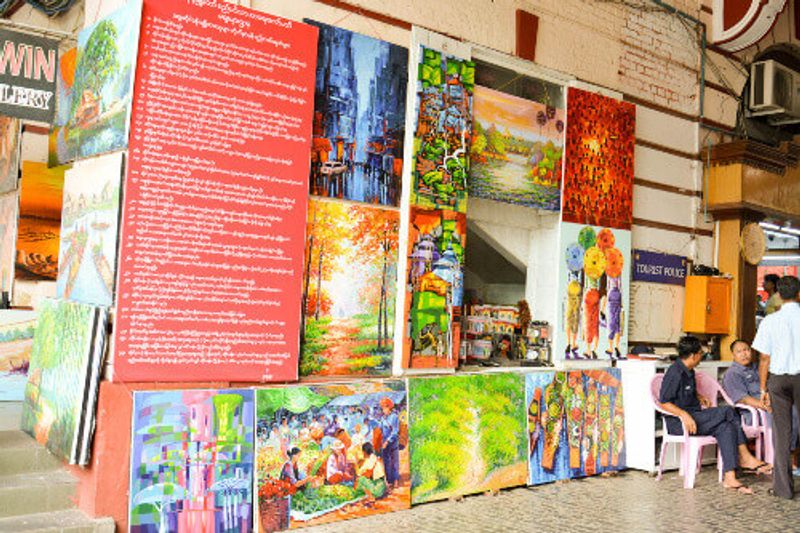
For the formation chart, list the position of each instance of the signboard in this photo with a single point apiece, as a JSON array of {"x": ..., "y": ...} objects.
[
  {"x": 654, "y": 267},
  {"x": 28, "y": 76},
  {"x": 215, "y": 197}
]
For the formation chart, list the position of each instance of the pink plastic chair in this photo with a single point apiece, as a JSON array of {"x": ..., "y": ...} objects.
[
  {"x": 759, "y": 428},
  {"x": 691, "y": 445}
]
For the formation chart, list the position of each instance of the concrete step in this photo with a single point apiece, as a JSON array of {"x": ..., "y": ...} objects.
[
  {"x": 71, "y": 521},
  {"x": 19, "y": 454},
  {"x": 36, "y": 492}
]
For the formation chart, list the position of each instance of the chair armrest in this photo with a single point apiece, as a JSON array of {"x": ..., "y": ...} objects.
[
  {"x": 754, "y": 413},
  {"x": 664, "y": 416}
]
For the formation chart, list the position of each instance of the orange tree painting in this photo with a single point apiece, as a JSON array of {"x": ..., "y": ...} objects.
[
  {"x": 598, "y": 176},
  {"x": 434, "y": 288},
  {"x": 348, "y": 289}
]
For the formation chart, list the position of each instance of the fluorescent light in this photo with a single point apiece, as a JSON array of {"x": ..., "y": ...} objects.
[
  {"x": 781, "y": 258},
  {"x": 789, "y": 229},
  {"x": 769, "y": 226},
  {"x": 778, "y": 234}
]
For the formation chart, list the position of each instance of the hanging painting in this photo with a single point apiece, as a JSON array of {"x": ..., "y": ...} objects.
[
  {"x": 192, "y": 461},
  {"x": 594, "y": 286},
  {"x": 64, "y": 372},
  {"x": 598, "y": 176},
  {"x": 16, "y": 341},
  {"x": 41, "y": 192},
  {"x": 467, "y": 434},
  {"x": 575, "y": 424},
  {"x": 331, "y": 452},
  {"x": 349, "y": 289},
  {"x": 9, "y": 205},
  {"x": 58, "y": 149},
  {"x": 359, "y": 117},
  {"x": 89, "y": 228},
  {"x": 517, "y": 138},
  {"x": 434, "y": 288},
  {"x": 443, "y": 124},
  {"x": 10, "y": 135},
  {"x": 102, "y": 88}
]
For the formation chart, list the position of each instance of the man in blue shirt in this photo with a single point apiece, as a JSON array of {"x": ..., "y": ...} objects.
[
  {"x": 679, "y": 397},
  {"x": 778, "y": 340}
]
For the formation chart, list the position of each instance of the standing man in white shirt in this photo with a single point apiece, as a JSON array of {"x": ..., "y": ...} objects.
[{"x": 778, "y": 340}]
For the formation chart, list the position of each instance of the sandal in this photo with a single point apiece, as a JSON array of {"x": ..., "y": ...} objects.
[
  {"x": 741, "y": 489},
  {"x": 762, "y": 469}
]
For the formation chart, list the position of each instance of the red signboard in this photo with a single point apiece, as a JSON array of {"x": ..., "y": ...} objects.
[{"x": 213, "y": 222}]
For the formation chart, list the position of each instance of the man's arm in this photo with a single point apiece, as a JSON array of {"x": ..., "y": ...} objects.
[
  {"x": 686, "y": 418},
  {"x": 763, "y": 371}
]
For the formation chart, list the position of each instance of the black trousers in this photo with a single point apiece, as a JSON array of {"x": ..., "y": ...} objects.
[
  {"x": 722, "y": 423},
  {"x": 784, "y": 393}
]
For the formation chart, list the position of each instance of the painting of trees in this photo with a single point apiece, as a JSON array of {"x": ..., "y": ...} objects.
[
  {"x": 98, "y": 61},
  {"x": 348, "y": 289}
]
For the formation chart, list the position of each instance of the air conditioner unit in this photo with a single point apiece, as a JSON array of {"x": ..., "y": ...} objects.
[{"x": 774, "y": 92}]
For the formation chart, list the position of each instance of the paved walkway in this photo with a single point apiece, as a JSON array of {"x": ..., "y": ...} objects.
[{"x": 632, "y": 501}]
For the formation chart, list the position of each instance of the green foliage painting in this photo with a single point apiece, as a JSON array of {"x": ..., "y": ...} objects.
[
  {"x": 467, "y": 434},
  {"x": 57, "y": 378}
]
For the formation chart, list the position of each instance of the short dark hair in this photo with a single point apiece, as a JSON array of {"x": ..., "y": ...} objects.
[
  {"x": 294, "y": 451},
  {"x": 688, "y": 345},
  {"x": 788, "y": 287},
  {"x": 737, "y": 341},
  {"x": 771, "y": 278},
  {"x": 367, "y": 448}
]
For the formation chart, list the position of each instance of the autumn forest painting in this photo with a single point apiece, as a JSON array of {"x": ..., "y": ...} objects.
[{"x": 348, "y": 289}]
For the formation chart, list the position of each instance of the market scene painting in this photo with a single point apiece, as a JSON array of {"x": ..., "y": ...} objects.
[
  {"x": 16, "y": 341},
  {"x": 331, "y": 452},
  {"x": 598, "y": 176},
  {"x": 102, "y": 88},
  {"x": 445, "y": 87},
  {"x": 64, "y": 360},
  {"x": 594, "y": 285},
  {"x": 192, "y": 461},
  {"x": 89, "y": 228},
  {"x": 468, "y": 435},
  {"x": 575, "y": 424},
  {"x": 349, "y": 289},
  {"x": 516, "y": 152},
  {"x": 434, "y": 288},
  {"x": 359, "y": 117},
  {"x": 39, "y": 227}
]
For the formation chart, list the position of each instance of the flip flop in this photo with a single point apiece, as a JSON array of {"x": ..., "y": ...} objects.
[
  {"x": 759, "y": 470},
  {"x": 741, "y": 489}
]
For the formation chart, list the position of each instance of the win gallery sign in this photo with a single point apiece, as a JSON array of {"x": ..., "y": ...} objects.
[
  {"x": 659, "y": 268},
  {"x": 27, "y": 76}
]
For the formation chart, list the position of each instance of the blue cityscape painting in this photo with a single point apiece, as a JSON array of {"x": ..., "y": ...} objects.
[{"x": 359, "y": 117}]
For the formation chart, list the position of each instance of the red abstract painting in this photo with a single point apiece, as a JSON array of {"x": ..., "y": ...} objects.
[{"x": 598, "y": 174}]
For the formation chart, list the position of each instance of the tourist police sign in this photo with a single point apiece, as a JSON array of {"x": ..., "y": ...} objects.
[
  {"x": 659, "y": 268},
  {"x": 27, "y": 76}
]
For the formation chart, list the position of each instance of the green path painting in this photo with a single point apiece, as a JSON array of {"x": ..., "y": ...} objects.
[{"x": 467, "y": 434}]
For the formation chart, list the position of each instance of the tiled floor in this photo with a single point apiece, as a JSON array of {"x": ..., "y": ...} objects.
[{"x": 630, "y": 502}]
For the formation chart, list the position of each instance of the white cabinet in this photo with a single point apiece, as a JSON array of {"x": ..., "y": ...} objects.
[{"x": 642, "y": 437}]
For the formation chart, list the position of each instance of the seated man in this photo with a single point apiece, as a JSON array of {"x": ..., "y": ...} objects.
[
  {"x": 338, "y": 469},
  {"x": 741, "y": 383},
  {"x": 679, "y": 397}
]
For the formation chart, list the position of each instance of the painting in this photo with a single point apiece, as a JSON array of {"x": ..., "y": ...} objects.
[
  {"x": 9, "y": 205},
  {"x": 517, "y": 138},
  {"x": 359, "y": 117},
  {"x": 444, "y": 92},
  {"x": 434, "y": 288},
  {"x": 89, "y": 228},
  {"x": 39, "y": 225},
  {"x": 67, "y": 354},
  {"x": 331, "y": 452},
  {"x": 598, "y": 174},
  {"x": 102, "y": 88},
  {"x": 192, "y": 461},
  {"x": 349, "y": 289},
  {"x": 10, "y": 138},
  {"x": 58, "y": 150},
  {"x": 16, "y": 340},
  {"x": 467, "y": 433},
  {"x": 594, "y": 287},
  {"x": 575, "y": 424}
]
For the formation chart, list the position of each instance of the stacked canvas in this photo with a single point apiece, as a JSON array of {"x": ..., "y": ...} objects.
[{"x": 64, "y": 374}]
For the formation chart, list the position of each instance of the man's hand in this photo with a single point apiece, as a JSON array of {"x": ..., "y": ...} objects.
[
  {"x": 689, "y": 423},
  {"x": 705, "y": 403},
  {"x": 765, "y": 401}
]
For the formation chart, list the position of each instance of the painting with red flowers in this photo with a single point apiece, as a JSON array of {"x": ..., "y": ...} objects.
[{"x": 598, "y": 173}]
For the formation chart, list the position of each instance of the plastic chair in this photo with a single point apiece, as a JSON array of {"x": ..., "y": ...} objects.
[
  {"x": 691, "y": 445},
  {"x": 759, "y": 428}
]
